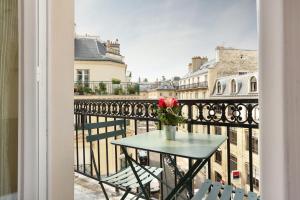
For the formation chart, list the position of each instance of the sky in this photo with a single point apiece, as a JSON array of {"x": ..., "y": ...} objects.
[{"x": 159, "y": 37}]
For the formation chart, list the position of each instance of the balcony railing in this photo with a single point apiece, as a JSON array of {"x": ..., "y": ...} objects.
[
  {"x": 106, "y": 88},
  {"x": 203, "y": 84},
  {"x": 203, "y": 116}
]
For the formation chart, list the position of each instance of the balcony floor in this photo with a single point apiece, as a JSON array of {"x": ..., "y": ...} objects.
[{"x": 89, "y": 189}]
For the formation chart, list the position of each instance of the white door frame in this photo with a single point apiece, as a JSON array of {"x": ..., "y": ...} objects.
[
  {"x": 33, "y": 100},
  {"x": 46, "y": 99}
]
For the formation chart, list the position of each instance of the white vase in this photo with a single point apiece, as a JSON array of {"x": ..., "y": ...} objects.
[{"x": 170, "y": 132}]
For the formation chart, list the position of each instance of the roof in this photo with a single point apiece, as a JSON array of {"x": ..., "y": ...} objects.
[
  {"x": 242, "y": 83},
  {"x": 91, "y": 49},
  {"x": 203, "y": 69}
]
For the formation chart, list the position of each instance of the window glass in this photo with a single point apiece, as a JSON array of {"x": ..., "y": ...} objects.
[
  {"x": 233, "y": 162},
  {"x": 218, "y": 157},
  {"x": 233, "y": 136},
  {"x": 219, "y": 88},
  {"x": 233, "y": 86},
  {"x": 254, "y": 142},
  {"x": 218, "y": 177},
  {"x": 253, "y": 84}
]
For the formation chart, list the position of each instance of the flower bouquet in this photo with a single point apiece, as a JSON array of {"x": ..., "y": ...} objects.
[{"x": 169, "y": 114}]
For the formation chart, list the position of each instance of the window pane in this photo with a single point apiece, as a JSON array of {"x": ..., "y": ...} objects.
[{"x": 8, "y": 99}]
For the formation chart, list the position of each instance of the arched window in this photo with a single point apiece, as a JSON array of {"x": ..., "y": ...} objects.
[
  {"x": 253, "y": 84},
  {"x": 219, "y": 87},
  {"x": 233, "y": 86}
]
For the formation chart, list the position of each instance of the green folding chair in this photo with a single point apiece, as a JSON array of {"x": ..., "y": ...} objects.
[
  {"x": 215, "y": 191},
  {"x": 124, "y": 179}
]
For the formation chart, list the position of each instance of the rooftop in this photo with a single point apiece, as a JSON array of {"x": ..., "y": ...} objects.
[
  {"x": 92, "y": 49},
  {"x": 243, "y": 86}
]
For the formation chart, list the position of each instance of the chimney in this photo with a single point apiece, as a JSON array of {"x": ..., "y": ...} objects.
[
  {"x": 113, "y": 47},
  {"x": 197, "y": 61}
]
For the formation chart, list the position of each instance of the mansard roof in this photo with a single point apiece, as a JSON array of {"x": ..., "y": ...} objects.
[{"x": 91, "y": 49}]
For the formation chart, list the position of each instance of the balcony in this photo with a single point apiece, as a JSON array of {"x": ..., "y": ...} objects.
[
  {"x": 203, "y": 117},
  {"x": 106, "y": 88},
  {"x": 203, "y": 84}
]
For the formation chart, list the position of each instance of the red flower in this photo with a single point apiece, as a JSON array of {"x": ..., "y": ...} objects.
[
  {"x": 174, "y": 102},
  {"x": 169, "y": 102},
  {"x": 162, "y": 103}
]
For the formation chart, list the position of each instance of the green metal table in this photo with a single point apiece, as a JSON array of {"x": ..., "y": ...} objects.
[{"x": 199, "y": 147}]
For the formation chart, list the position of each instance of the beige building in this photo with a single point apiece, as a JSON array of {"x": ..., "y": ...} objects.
[
  {"x": 96, "y": 60},
  {"x": 232, "y": 74},
  {"x": 228, "y": 87},
  {"x": 199, "y": 81},
  {"x": 165, "y": 89}
]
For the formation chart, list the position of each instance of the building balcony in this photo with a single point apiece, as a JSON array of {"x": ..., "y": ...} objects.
[
  {"x": 235, "y": 118},
  {"x": 105, "y": 88},
  {"x": 199, "y": 85}
]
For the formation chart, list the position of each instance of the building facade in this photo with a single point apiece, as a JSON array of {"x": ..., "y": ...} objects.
[
  {"x": 237, "y": 87},
  {"x": 161, "y": 89},
  {"x": 96, "y": 60},
  {"x": 198, "y": 83}
]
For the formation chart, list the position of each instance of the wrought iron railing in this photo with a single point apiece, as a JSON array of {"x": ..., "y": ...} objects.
[
  {"x": 203, "y": 84},
  {"x": 140, "y": 116}
]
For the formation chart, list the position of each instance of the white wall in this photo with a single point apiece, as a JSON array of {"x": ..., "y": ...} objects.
[
  {"x": 102, "y": 70},
  {"x": 60, "y": 99},
  {"x": 280, "y": 98}
]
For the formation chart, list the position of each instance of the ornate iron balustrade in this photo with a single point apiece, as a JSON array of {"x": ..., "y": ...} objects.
[
  {"x": 228, "y": 113},
  {"x": 236, "y": 113}
]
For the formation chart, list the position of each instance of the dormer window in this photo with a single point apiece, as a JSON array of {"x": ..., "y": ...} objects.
[
  {"x": 253, "y": 84},
  {"x": 219, "y": 87},
  {"x": 233, "y": 86}
]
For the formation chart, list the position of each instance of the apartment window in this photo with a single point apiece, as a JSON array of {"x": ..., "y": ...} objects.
[
  {"x": 218, "y": 109},
  {"x": 218, "y": 130},
  {"x": 254, "y": 143},
  {"x": 204, "y": 95},
  {"x": 218, "y": 177},
  {"x": 255, "y": 177},
  {"x": 230, "y": 111},
  {"x": 205, "y": 78},
  {"x": 219, "y": 87},
  {"x": 83, "y": 76},
  {"x": 233, "y": 136},
  {"x": 233, "y": 162},
  {"x": 196, "y": 95},
  {"x": 218, "y": 157},
  {"x": 233, "y": 86},
  {"x": 253, "y": 84}
]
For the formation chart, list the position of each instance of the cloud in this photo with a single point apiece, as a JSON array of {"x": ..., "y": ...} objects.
[{"x": 159, "y": 37}]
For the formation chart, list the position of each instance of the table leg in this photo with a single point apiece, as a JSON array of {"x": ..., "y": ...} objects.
[
  {"x": 188, "y": 187},
  {"x": 195, "y": 173},
  {"x": 127, "y": 157},
  {"x": 196, "y": 167}
]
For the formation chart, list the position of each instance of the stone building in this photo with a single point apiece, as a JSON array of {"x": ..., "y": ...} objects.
[
  {"x": 165, "y": 88},
  {"x": 228, "y": 87},
  {"x": 202, "y": 73},
  {"x": 231, "y": 74},
  {"x": 96, "y": 60}
]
